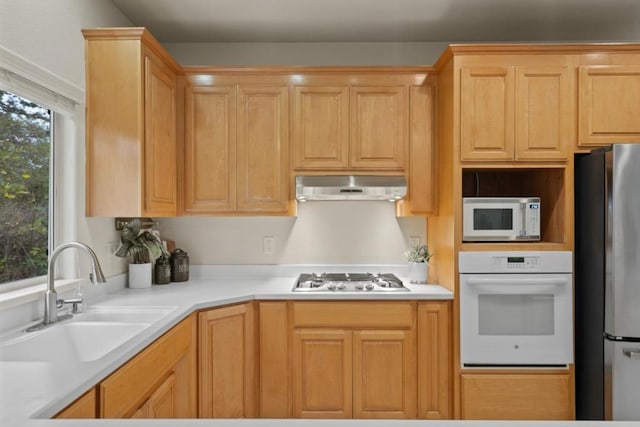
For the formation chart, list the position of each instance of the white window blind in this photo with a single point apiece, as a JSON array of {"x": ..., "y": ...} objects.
[{"x": 26, "y": 79}]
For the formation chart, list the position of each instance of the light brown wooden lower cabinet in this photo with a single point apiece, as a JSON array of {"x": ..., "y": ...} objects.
[
  {"x": 83, "y": 407},
  {"x": 435, "y": 355},
  {"x": 159, "y": 382},
  {"x": 322, "y": 373},
  {"x": 363, "y": 366},
  {"x": 517, "y": 396},
  {"x": 315, "y": 359},
  {"x": 384, "y": 374},
  {"x": 360, "y": 374},
  {"x": 227, "y": 362}
]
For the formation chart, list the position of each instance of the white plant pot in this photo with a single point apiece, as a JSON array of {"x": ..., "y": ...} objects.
[
  {"x": 140, "y": 276},
  {"x": 418, "y": 272}
]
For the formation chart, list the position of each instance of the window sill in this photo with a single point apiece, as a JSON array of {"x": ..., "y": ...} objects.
[{"x": 33, "y": 293}]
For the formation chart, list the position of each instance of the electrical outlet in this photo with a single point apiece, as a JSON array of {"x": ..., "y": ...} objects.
[
  {"x": 414, "y": 241},
  {"x": 268, "y": 245}
]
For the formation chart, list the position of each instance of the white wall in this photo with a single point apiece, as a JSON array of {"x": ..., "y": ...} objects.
[
  {"x": 320, "y": 54},
  {"x": 347, "y": 232},
  {"x": 47, "y": 34}
]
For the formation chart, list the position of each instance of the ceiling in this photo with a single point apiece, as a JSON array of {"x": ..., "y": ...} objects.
[{"x": 190, "y": 21}]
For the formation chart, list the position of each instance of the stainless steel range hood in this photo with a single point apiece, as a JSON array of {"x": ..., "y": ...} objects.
[{"x": 350, "y": 187}]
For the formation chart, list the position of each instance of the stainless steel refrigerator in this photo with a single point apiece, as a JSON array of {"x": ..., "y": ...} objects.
[{"x": 607, "y": 283}]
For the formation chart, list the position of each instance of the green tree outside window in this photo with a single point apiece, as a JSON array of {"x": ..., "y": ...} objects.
[{"x": 25, "y": 141}]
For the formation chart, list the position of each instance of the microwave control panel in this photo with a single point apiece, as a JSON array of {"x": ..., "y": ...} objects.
[{"x": 532, "y": 218}]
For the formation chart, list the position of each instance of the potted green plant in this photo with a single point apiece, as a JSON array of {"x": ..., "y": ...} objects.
[
  {"x": 418, "y": 258},
  {"x": 143, "y": 246}
]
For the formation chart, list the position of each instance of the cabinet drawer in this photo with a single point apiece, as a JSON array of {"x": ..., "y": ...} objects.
[
  {"x": 354, "y": 314},
  {"x": 130, "y": 385},
  {"x": 516, "y": 397}
]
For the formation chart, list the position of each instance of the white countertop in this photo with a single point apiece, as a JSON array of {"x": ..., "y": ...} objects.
[{"x": 32, "y": 392}]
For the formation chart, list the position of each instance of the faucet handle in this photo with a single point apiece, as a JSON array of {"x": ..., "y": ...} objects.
[{"x": 77, "y": 304}]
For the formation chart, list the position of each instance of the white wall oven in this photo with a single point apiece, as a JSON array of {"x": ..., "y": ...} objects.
[{"x": 516, "y": 309}]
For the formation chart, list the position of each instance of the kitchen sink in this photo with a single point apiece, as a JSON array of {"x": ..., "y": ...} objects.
[
  {"x": 81, "y": 341},
  {"x": 86, "y": 337}
]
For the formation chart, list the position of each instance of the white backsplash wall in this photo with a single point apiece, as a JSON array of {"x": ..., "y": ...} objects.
[{"x": 346, "y": 232}]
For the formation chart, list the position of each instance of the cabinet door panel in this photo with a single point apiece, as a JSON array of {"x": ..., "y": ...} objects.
[
  {"x": 124, "y": 391},
  {"x": 609, "y": 104},
  {"x": 384, "y": 372},
  {"x": 516, "y": 397},
  {"x": 486, "y": 113},
  {"x": 274, "y": 351},
  {"x": 434, "y": 354},
  {"x": 543, "y": 114},
  {"x": 210, "y": 149},
  {"x": 226, "y": 362},
  {"x": 160, "y": 183},
  {"x": 83, "y": 407},
  {"x": 422, "y": 167},
  {"x": 162, "y": 403},
  {"x": 379, "y": 127},
  {"x": 262, "y": 149},
  {"x": 320, "y": 128},
  {"x": 322, "y": 375}
]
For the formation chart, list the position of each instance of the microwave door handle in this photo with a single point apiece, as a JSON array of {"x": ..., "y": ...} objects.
[{"x": 516, "y": 282}]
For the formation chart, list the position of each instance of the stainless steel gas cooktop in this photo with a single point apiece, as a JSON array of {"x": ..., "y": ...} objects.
[{"x": 349, "y": 282}]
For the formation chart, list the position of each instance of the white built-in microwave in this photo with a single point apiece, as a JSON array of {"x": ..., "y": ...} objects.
[{"x": 492, "y": 219}]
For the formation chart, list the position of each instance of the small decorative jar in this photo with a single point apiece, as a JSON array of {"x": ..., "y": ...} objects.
[
  {"x": 179, "y": 266},
  {"x": 162, "y": 271}
]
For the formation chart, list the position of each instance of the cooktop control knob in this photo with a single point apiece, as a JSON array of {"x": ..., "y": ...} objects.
[
  {"x": 341, "y": 286},
  {"x": 331, "y": 287},
  {"x": 369, "y": 286},
  {"x": 359, "y": 286}
]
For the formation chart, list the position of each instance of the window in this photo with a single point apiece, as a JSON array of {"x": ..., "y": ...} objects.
[{"x": 25, "y": 161}]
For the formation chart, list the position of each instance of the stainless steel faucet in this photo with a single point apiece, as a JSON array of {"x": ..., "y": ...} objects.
[{"x": 51, "y": 301}]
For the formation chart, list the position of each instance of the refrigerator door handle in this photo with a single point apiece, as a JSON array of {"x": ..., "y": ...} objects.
[{"x": 632, "y": 354}]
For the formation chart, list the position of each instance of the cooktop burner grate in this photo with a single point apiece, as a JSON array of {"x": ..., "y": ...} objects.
[{"x": 349, "y": 282}]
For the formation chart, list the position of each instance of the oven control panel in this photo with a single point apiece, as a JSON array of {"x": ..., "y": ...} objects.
[{"x": 515, "y": 262}]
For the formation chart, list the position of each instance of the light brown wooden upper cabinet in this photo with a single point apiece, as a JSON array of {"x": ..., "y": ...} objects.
[
  {"x": 210, "y": 149},
  {"x": 608, "y": 104},
  {"x": 236, "y": 149},
  {"x": 320, "y": 123},
  {"x": 515, "y": 113},
  {"x": 350, "y": 127},
  {"x": 379, "y": 127},
  {"x": 227, "y": 362},
  {"x": 130, "y": 125}
]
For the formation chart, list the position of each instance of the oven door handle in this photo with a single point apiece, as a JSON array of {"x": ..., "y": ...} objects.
[{"x": 517, "y": 282}]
